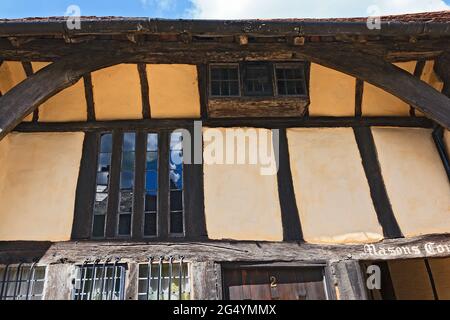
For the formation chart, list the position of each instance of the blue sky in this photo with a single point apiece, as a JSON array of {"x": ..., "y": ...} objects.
[{"x": 222, "y": 9}]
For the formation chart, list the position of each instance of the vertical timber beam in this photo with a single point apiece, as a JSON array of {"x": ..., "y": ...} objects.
[
  {"x": 85, "y": 194},
  {"x": 292, "y": 230},
  {"x": 142, "y": 70},
  {"x": 417, "y": 73},
  {"x": 89, "y": 95},
  {"x": 378, "y": 192}
]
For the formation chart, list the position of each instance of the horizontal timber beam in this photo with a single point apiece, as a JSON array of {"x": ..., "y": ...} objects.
[
  {"x": 232, "y": 251},
  {"x": 200, "y": 52},
  {"x": 58, "y": 26},
  {"x": 313, "y": 122}
]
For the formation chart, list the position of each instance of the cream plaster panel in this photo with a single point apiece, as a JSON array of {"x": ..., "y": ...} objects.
[
  {"x": 377, "y": 102},
  {"x": 11, "y": 74},
  {"x": 240, "y": 203},
  {"x": 173, "y": 91},
  {"x": 332, "y": 92},
  {"x": 117, "y": 93},
  {"x": 415, "y": 180},
  {"x": 410, "y": 280},
  {"x": 67, "y": 105},
  {"x": 38, "y": 185},
  {"x": 332, "y": 192}
]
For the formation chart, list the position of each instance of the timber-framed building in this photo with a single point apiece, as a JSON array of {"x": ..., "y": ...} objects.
[{"x": 94, "y": 205}]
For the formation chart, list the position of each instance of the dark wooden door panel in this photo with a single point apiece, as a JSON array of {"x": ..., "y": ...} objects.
[{"x": 274, "y": 283}]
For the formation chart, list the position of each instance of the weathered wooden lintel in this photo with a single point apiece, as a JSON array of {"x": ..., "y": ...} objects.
[{"x": 229, "y": 251}]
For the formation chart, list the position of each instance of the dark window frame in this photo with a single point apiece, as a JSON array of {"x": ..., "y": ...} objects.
[
  {"x": 23, "y": 283},
  {"x": 271, "y": 69},
  {"x": 193, "y": 211},
  {"x": 224, "y": 65},
  {"x": 304, "y": 71},
  {"x": 270, "y": 73},
  {"x": 99, "y": 275}
]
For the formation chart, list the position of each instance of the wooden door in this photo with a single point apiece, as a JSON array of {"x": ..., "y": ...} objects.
[{"x": 305, "y": 283}]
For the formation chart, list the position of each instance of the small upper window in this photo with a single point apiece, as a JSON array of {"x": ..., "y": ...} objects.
[
  {"x": 290, "y": 80},
  {"x": 258, "y": 80},
  {"x": 224, "y": 80}
]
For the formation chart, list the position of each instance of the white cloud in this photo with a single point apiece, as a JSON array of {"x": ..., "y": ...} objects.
[
  {"x": 160, "y": 5},
  {"x": 248, "y": 9}
]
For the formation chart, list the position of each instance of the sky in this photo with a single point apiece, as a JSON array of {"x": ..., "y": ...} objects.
[{"x": 219, "y": 9}]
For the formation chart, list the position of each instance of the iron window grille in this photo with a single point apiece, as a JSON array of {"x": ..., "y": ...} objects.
[
  {"x": 99, "y": 281},
  {"x": 164, "y": 279},
  {"x": 22, "y": 282}
]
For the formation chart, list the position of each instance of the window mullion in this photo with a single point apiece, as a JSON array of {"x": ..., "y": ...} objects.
[
  {"x": 139, "y": 186},
  {"x": 113, "y": 204},
  {"x": 164, "y": 185}
]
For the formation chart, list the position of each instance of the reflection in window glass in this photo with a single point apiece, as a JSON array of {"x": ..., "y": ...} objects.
[
  {"x": 290, "y": 80},
  {"x": 99, "y": 282},
  {"x": 102, "y": 189},
  {"x": 176, "y": 183},
  {"x": 151, "y": 186},
  {"x": 126, "y": 193},
  {"x": 258, "y": 80},
  {"x": 21, "y": 282},
  {"x": 164, "y": 281}
]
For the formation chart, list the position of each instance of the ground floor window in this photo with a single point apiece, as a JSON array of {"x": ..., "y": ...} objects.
[
  {"x": 22, "y": 282},
  {"x": 99, "y": 282},
  {"x": 161, "y": 279}
]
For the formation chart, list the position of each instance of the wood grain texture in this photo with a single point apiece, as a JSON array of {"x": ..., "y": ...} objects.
[
  {"x": 224, "y": 251},
  {"x": 269, "y": 123}
]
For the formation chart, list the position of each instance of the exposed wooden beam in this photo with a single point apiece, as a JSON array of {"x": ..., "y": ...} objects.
[
  {"x": 204, "y": 51},
  {"x": 89, "y": 95},
  {"x": 420, "y": 65},
  {"x": 378, "y": 192},
  {"x": 231, "y": 251},
  {"x": 312, "y": 122},
  {"x": 292, "y": 230},
  {"x": 390, "y": 26},
  {"x": 26, "y": 97},
  {"x": 28, "y": 68},
  {"x": 142, "y": 70},
  {"x": 442, "y": 68},
  {"x": 390, "y": 78},
  {"x": 359, "y": 90}
]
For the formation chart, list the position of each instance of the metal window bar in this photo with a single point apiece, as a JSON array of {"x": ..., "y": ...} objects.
[
  {"x": 19, "y": 282},
  {"x": 164, "y": 279},
  {"x": 100, "y": 281}
]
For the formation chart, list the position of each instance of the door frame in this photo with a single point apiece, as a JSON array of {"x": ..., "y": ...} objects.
[{"x": 325, "y": 265}]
